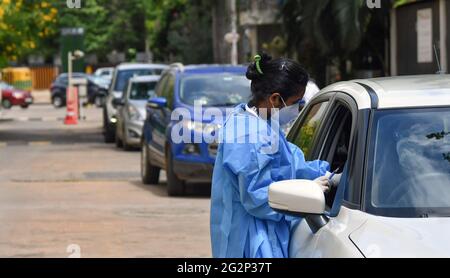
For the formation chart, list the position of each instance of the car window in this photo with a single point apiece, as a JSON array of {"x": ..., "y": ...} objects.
[
  {"x": 124, "y": 75},
  {"x": 409, "y": 163},
  {"x": 219, "y": 89},
  {"x": 168, "y": 90},
  {"x": 308, "y": 131},
  {"x": 160, "y": 85},
  {"x": 336, "y": 146},
  {"x": 142, "y": 90}
]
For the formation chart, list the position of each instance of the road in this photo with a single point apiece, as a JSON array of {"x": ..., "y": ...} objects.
[{"x": 63, "y": 192}]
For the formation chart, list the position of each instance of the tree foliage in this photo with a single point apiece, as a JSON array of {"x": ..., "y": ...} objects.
[
  {"x": 24, "y": 24},
  {"x": 180, "y": 30}
]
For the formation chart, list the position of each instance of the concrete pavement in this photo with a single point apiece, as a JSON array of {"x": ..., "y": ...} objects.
[{"x": 63, "y": 192}]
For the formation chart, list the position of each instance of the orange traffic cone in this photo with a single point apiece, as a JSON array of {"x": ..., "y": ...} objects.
[{"x": 72, "y": 107}]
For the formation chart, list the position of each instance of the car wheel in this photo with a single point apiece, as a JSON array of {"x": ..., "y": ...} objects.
[
  {"x": 57, "y": 101},
  {"x": 126, "y": 146},
  {"x": 24, "y": 106},
  {"x": 6, "y": 104},
  {"x": 108, "y": 132},
  {"x": 175, "y": 186},
  {"x": 149, "y": 173},
  {"x": 98, "y": 101},
  {"x": 118, "y": 141}
]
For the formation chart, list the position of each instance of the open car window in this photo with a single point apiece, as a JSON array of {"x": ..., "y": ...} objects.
[{"x": 336, "y": 146}]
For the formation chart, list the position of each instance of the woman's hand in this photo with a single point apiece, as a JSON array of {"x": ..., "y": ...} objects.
[{"x": 323, "y": 182}]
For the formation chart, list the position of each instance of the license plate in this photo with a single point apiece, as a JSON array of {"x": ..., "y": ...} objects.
[{"x": 29, "y": 100}]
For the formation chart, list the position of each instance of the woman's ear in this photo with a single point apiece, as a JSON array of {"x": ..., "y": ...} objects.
[{"x": 275, "y": 100}]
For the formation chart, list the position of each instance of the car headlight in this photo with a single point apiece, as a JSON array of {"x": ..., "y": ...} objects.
[
  {"x": 201, "y": 127},
  {"x": 134, "y": 114}
]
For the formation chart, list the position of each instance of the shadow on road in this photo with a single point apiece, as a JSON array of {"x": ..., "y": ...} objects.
[
  {"x": 55, "y": 136},
  {"x": 193, "y": 190}
]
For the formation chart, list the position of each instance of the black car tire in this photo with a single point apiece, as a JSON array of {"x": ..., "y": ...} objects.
[
  {"x": 149, "y": 173},
  {"x": 57, "y": 101},
  {"x": 24, "y": 106},
  {"x": 119, "y": 142},
  {"x": 6, "y": 104},
  {"x": 108, "y": 131},
  {"x": 99, "y": 101},
  {"x": 175, "y": 186}
]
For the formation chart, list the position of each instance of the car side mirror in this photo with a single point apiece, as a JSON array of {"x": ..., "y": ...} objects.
[
  {"x": 157, "y": 102},
  {"x": 117, "y": 102},
  {"x": 303, "y": 198}
]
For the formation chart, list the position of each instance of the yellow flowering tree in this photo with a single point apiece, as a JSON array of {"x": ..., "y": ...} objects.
[{"x": 23, "y": 25}]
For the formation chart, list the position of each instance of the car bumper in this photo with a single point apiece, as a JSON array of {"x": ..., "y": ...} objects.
[
  {"x": 193, "y": 171},
  {"x": 133, "y": 133}
]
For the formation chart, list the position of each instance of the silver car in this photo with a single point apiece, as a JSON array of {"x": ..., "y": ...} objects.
[
  {"x": 390, "y": 139},
  {"x": 122, "y": 74},
  {"x": 131, "y": 110}
]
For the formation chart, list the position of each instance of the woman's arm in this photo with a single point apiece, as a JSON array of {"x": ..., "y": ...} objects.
[{"x": 309, "y": 170}]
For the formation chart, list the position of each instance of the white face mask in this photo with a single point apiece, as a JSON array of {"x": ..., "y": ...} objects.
[{"x": 287, "y": 113}]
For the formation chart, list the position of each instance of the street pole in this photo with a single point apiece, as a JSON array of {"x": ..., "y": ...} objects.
[
  {"x": 234, "y": 50},
  {"x": 69, "y": 71}
]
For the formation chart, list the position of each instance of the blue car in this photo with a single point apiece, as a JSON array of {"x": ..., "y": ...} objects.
[{"x": 218, "y": 87}]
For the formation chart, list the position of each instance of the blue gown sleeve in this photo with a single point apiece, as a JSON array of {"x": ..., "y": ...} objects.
[
  {"x": 253, "y": 170},
  {"x": 307, "y": 170}
]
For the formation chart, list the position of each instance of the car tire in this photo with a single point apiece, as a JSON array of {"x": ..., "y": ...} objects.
[
  {"x": 24, "y": 106},
  {"x": 118, "y": 141},
  {"x": 149, "y": 173},
  {"x": 126, "y": 147},
  {"x": 6, "y": 104},
  {"x": 108, "y": 132},
  {"x": 99, "y": 101},
  {"x": 175, "y": 186},
  {"x": 57, "y": 101}
]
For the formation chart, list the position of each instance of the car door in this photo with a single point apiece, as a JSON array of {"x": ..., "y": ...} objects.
[
  {"x": 335, "y": 142},
  {"x": 158, "y": 118}
]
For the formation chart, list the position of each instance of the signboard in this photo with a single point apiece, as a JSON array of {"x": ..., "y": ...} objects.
[{"x": 424, "y": 36}]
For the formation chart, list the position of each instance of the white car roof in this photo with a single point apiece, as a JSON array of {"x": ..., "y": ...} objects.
[
  {"x": 144, "y": 78},
  {"x": 398, "y": 91},
  {"x": 127, "y": 66}
]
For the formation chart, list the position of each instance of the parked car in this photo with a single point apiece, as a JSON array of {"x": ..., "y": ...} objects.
[
  {"x": 122, "y": 74},
  {"x": 96, "y": 91},
  {"x": 390, "y": 137},
  {"x": 106, "y": 73},
  {"x": 131, "y": 110},
  {"x": 179, "y": 87},
  {"x": 11, "y": 96}
]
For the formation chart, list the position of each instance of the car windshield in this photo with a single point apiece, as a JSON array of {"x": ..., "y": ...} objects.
[
  {"x": 222, "y": 89},
  {"x": 142, "y": 90},
  {"x": 409, "y": 169},
  {"x": 124, "y": 75}
]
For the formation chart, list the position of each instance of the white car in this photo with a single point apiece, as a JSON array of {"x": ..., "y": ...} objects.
[{"x": 390, "y": 138}]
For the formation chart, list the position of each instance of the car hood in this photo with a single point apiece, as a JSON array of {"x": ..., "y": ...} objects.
[{"x": 401, "y": 237}]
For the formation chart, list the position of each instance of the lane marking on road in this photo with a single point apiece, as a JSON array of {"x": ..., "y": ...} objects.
[
  {"x": 3, "y": 144},
  {"x": 39, "y": 143}
]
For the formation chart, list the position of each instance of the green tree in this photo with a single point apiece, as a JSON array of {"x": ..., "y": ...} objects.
[
  {"x": 180, "y": 30},
  {"x": 24, "y": 25}
]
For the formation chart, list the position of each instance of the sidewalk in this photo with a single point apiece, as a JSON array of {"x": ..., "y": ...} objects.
[{"x": 41, "y": 96}]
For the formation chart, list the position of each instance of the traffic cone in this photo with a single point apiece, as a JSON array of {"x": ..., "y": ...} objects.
[{"x": 72, "y": 107}]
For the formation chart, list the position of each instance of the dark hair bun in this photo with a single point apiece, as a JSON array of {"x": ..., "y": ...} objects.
[{"x": 252, "y": 70}]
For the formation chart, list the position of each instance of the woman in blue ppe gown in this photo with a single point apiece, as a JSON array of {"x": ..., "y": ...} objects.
[{"x": 242, "y": 222}]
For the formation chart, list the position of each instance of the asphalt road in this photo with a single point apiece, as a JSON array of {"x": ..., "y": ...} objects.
[{"x": 64, "y": 193}]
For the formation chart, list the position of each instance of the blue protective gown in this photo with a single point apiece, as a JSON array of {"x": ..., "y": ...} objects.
[{"x": 242, "y": 222}]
